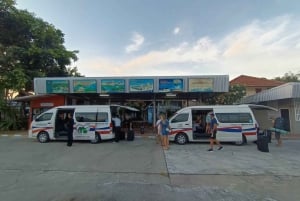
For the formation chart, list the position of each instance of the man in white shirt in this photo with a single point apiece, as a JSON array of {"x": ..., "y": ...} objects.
[{"x": 117, "y": 127}]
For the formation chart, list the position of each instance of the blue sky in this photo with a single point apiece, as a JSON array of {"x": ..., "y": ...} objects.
[{"x": 177, "y": 37}]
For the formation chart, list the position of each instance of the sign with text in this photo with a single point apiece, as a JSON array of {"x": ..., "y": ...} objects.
[
  {"x": 200, "y": 85},
  {"x": 170, "y": 85},
  {"x": 57, "y": 86},
  {"x": 141, "y": 85},
  {"x": 85, "y": 86},
  {"x": 112, "y": 86}
]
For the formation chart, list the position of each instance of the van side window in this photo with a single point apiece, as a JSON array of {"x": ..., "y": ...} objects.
[
  {"x": 91, "y": 117},
  {"x": 85, "y": 116},
  {"x": 44, "y": 117},
  {"x": 181, "y": 118},
  {"x": 102, "y": 117},
  {"x": 234, "y": 117}
]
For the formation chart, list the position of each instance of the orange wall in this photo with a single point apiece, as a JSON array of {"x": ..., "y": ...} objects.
[
  {"x": 45, "y": 103},
  {"x": 51, "y": 101}
]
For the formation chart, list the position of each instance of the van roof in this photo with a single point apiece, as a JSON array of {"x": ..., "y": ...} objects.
[{"x": 209, "y": 107}]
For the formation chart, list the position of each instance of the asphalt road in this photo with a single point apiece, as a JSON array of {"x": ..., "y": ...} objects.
[{"x": 141, "y": 170}]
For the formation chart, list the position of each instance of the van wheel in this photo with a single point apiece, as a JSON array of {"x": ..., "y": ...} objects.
[
  {"x": 43, "y": 137},
  {"x": 97, "y": 139},
  {"x": 181, "y": 138},
  {"x": 242, "y": 142}
]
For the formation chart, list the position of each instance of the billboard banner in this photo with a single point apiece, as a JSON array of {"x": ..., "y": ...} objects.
[
  {"x": 57, "y": 86},
  {"x": 85, "y": 86},
  {"x": 200, "y": 85},
  {"x": 141, "y": 85},
  {"x": 113, "y": 86},
  {"x": 170, "y": 85}
]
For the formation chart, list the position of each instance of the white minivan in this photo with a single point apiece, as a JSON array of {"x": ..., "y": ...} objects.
[
  {"x": 91, "y": 122},
  {"x": 236, "y": 123}
]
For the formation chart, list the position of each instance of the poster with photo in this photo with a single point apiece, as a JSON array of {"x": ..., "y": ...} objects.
[
  {"x": 85, "y": 86},
  {"x": 200, "y": 85},
  {"x": 57, "y": 86}
]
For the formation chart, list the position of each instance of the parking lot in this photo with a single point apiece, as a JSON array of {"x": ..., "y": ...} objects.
[{"x": 141, "y": 170}]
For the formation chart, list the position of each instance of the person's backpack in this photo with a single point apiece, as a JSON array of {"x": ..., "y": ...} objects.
[{"x": 279, "y": 123}]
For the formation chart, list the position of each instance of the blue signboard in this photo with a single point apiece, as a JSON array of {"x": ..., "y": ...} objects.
[
  {"x": 113, "y": 86},
  {"x": 141, "y": 85},
  {"x": 57, "y": 86},
  {"x": 170, "y": 85}
]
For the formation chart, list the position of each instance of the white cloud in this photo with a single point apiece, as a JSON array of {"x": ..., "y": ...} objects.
[
  {"x": 176, "y": 30},
  {"x": 137, "y": 41},
  {"x": 262, "y": 48}
]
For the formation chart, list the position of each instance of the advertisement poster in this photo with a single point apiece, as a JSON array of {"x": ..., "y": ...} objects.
[
  {"x": 141, "y": 85},
  {"x": 57, "y": 86},
  {"x": 112, "y": 86},
  {"x": 85, "y": 86},
  {"x": 200, "y": 85},
  {"x": 170, "y": 85}
]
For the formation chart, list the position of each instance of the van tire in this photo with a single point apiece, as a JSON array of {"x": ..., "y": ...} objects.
[
  {"x": 240, "y": 143},
  {"x": 97, "y": 139},
  {"x": 43, "y": 137},
  {"x": 181, "y": 138}
]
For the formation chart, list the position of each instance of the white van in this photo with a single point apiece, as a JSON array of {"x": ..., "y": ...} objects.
[
  {"x": 236, "y": 123},
  {"x": 91, "y": 122}
]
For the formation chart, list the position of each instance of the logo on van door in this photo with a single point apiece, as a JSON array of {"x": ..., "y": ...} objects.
[{"x": 82, "y": 129}]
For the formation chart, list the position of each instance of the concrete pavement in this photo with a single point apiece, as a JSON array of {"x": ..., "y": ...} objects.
[{"x": 141, "y": 170}]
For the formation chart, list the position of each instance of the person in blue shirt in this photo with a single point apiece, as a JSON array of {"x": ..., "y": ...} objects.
[
  {"x": 213, "y": 130},
  {"x": 165, "y": 129}
]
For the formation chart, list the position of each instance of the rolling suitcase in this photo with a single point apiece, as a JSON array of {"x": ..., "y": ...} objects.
[
  {"x": 130, "y": 135},
  {"x": 122, "y": 135},
  {"x": 262, "y": 143}
]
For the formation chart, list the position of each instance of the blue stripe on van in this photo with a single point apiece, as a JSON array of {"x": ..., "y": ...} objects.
[{"x": 231, "y": 129}]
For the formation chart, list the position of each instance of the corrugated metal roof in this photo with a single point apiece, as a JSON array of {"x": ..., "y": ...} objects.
[{"x": 288, "y": 90}]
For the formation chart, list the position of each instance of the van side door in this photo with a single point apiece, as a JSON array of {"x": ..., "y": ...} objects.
[
  {"x": 85, "y": 123},
  {"x": 229, "y": 126}
]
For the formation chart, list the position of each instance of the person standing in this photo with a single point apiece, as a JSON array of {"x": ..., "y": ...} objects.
[
  {"x": 278, "y": 124},
  {"x": 207, "y": 121},
  {"x": 117, "y": 127},
  {"x": 70, "y": 125},
  {"x": 158, "y": 133},
  {"x": 165, "y": 129},
  {"x": 213, "y": 130}
]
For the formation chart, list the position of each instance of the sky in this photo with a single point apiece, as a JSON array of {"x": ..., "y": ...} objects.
[{"x": 177, "y": 37}]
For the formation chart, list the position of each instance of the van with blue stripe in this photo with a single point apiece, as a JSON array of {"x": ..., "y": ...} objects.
[
  {"x": 91, "y": 122},
  {"x": 236, "y": 123}
]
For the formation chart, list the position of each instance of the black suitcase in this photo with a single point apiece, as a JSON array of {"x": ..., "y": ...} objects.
[
  {"x": 130, "y": 135},
  {"x": 262, "y": 143},
  {"x": 122, "y": 135}
]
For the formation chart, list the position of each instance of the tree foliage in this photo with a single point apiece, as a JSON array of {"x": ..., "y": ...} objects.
[
  {"x": 235, "y": 94},
  {"x": 31, "y": 48},
  {"x": 289, "y": 77}
]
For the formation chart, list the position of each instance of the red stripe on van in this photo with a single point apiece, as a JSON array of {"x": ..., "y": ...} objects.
[
  {"x": 252, "y": 133},
  {"x": 103, "y": 132},
  {"x": 174, "y": 132}
]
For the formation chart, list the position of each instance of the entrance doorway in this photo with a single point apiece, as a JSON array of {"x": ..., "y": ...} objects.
[{"x": 285, "y": 114}]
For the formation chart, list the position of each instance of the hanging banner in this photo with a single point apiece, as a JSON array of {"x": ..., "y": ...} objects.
[
  {"x": 170, "y": 85},
  {"x": 57, "y": 86},
  {"x": 85, "y": 86},
  {"x": 200, "y": 85}
]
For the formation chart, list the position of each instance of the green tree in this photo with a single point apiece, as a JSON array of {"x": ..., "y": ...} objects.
[
  {"x": 31, "y": 44},
  {"x": 289, "y": 77},
  {"x": 235, "y": 94}
]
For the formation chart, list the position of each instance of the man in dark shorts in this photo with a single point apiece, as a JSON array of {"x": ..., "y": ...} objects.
[
  {"x": 213, "y": 129},
  {"x": 278, "y": 124}
]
